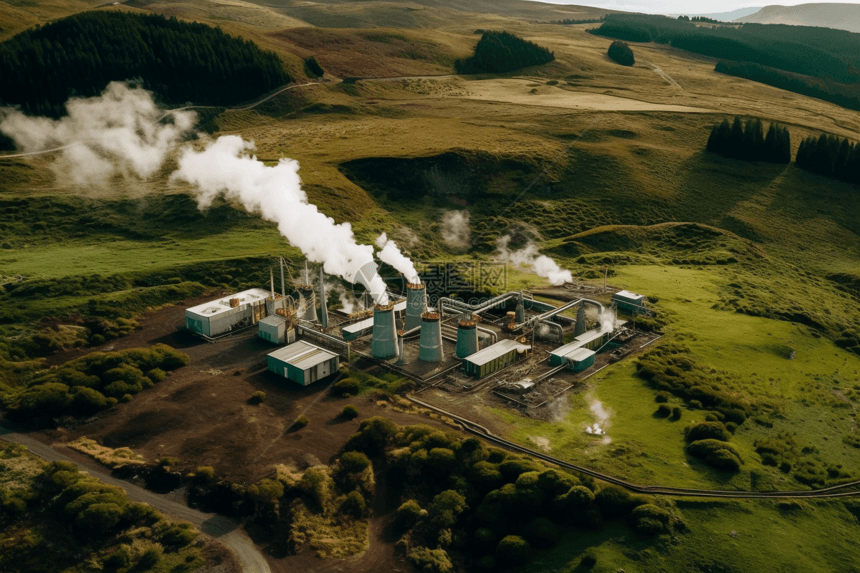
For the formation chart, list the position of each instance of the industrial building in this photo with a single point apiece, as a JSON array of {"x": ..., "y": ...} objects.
[
  {"x": 275, "y": 328},
  {"x": 574, "y": 355},
  {"x": 629, "y": 301},
  {"x": 303, "y": 363},
  {"x": 499, "y": 355},
  {"x": 228, "y": 313}
]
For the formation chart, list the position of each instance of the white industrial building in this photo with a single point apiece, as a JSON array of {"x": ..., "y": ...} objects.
[{"x": 228, "y": 313}]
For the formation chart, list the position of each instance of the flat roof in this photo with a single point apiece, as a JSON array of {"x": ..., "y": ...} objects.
[
  {"x": 357, "y": 327},
  {"x": 273, "y": 320},
  {"x": 587, "y": 337},
  {"x": 500, "y": 348},
  {"x": 628, "y": 294},
  {"x": 222, "y": 305},
  {"x": 302, "y": 355},
  {"x": 579, "y": 354},
  {"x": 578, "y": 342}
]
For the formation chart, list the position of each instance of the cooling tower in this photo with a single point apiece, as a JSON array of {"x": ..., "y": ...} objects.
[
  {"x": 580, "y": 326},
  {"x": 309, "y": 296},
  {"x": 384, "y": 341},
  {"x": 416, "y": 305},
  {"x": 521, "y": 311},
  {"x": 467, "y": 338},
  {"x": 431, "y": 338},
  {"x": 323, "y": 305}
]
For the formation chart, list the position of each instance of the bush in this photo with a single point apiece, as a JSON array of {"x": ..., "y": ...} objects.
[
  {"x": 204, "y": 474},
  {"x": 676, "y": 413},
  {"x": 258, "y": 397},
  {"x": 662, "y": 397},
  {"x": 513, "y": 550},
  {"x": 86, "y": 401},
  {"x": 621, "y": 53},
  {"x": 588, "y": 560},
  {"x": 373, "y": 436},
  {"x": 150, "y": 558},
  {"x": 178, "y": 535},
  {"x": 354, "y": 462},
  {"x": 485, "y": 539},
  {"x": 354, "y": 505},
  {"x": 301, "y": 422},
  {"x": 126, "y": 398},
  {"x": 542, "y": 533},
  {"x": 707, "y": 431},
  {"x": 350, "y": 412},
  {"x": 446, "y": 508},
  {"x": 615, "y": 501},
  {"x": 347, "y": 387},
  {"x": 119, "y": 558},
  {"x": 408, "y": 514},
  {"x": 430, "y": 560},
  {"x": 156, "y": 375},
  {"x": 648, "y": 519},
  {"x": 664, "y": 411},
  {"x": 717, "y": 454},
  {"x": 314, "y": 67},
  {"x": 99, "y": 518}
]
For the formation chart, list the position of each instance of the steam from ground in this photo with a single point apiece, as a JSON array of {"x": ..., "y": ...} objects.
[
  {"x": 347, "y": 301},
  {"x": 391, "y": 254},
  {"x": 607, "y": 320},
  {"x": 455, "y": 229},
  {"x": 116, "y": 132},
  {"x": 529, "y": 256}
]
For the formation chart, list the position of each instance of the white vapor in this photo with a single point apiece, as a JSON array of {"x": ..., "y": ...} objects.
[
  {"x": 529, "y": 256},
  {"x": 455, "y": 229},
  {"x": 391, "y": 254},
  {"x": 117, "y": 131},
  {"x": 226, "y": 167}
]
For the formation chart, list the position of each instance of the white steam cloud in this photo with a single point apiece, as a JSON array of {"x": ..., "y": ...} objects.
[
  {"x": 529, "y": 257},
  {"x": 607, "y": 320},
  {"x": 117, "y": 131},
  {"x": 391, "y": 254},
  {"x": 455, "y": 229}
]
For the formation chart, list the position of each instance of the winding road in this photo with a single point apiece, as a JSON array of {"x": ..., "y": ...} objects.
[{"x": 223, "y": 529}]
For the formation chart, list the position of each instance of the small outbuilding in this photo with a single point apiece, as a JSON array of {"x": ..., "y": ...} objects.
[
  {"x": 303, "y": 362},
  {"x": 229, "y": 313},
  {"x": 578, "y": 359},
  {"x": 629, "y": 302},
  {"x": 274, "y": 329},
  {"x": 493, "y": 358},
  {"x": 357, "y": 329}
]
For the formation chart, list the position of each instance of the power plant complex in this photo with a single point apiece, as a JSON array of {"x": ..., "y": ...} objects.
[{"x": 464, "y": 344}]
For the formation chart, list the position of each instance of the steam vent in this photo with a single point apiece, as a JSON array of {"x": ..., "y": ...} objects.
[
  {"x": 384, "y": 341},
  {"x": 416, "y": 305},
  {"x": 467, "y": 338},
  {"x": 431, "y": 338}
]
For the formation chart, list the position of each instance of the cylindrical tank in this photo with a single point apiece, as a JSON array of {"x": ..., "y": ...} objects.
[
  {"x": 384, "y": 340},
  {"x": 580, "y": 327},
  {"x": 467, "y": 338},
  {"x": 521, "y": 311},
  {"x": 416, "y": 305},
  {"x": 308, "y": 294},
  {"x": 431, "y": 349}
]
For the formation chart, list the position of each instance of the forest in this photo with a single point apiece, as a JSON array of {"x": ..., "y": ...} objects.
[
  {"x": 830, "y": 156},
  {"x": 845, "y": 95},
  {"x": 818, "y": 52},
  {"x": 499, "y": 52},
  {"x": 748, "y": 141},
  {"x": 179, "y": 61}
]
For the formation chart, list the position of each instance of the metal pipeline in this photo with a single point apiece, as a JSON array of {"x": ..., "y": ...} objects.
[
  {"x": 556, "y": 327},
  {"x": 476, "y": 308}
]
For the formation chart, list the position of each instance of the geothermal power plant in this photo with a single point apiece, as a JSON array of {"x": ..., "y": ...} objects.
[{"x": 523, "y": 349}]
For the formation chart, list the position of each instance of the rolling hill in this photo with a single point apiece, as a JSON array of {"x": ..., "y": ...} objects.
[{"x": 839, "y": 16}]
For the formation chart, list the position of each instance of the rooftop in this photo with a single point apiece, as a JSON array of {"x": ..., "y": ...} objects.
[
  {"x": 578, "y": 342},
  {"x": 222, "y": 305},
  {"x": 629, "y": 295},
  {"x": 273, "y": 320},
  {"x": 357, "y": 327},
  {"x": 579, "y": 354},
  {"x": 500, "y": 348},
  {"x": 302, "y": 355}
]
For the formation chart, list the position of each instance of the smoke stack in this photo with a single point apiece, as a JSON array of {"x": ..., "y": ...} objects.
[
  {"x": 416, "y": 305},
  {"x": 580, "y": 327},
  {"x": 384, "y": 340},
  {"x": 467, "y": 337},
  {"x": 323, "y": 304},
  {"x": 521, "y": 310},
  {"x": 431, "y": 338}
]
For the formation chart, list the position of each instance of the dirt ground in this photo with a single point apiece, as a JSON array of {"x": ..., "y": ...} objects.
[{"x": 200, "y": 414}]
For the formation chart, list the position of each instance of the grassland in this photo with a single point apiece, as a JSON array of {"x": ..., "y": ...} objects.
[{"x": 752, "y": 265}]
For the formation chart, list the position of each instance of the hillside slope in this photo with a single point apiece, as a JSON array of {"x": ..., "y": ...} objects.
[{"x": 828, "y": 15}]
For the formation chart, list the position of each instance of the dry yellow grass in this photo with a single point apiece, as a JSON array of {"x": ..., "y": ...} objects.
[{"x": 112, "y": 458}]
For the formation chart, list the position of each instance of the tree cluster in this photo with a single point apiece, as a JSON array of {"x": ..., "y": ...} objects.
[
  {"x": 747, "y": 140},
  {"x": 180, "y": 61},
  {"x": 621, "y": 53},
  {"x": 571, "y": 22},
  {"x": 831, "y": 156},
  {"x": 817, "y": 52},
  {"x": 499, "y": 52}
]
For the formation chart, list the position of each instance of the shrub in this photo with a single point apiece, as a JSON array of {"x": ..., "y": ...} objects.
[
  {"x": 485, "y": 475},
  {"x": 301, "y": 422},
  {"x": 373, "y": 436},
  {"x": 408, "y": 514},
  {"x": 99, "y": 518},
  {"x": 126, "y": 398},
  {"x": 648, "y": 519},
  {"x": 542, "y": 533},
  {"x": 350, "y": 412},
  {"x": 347, "y": 387},
  {"x": 485, "y": 539},
  {"x": 178, "y": 535},
  {"x": 441, "y": 461},
  {"x": 588, "y": 560},
  {"x": 156, "y": 375},
  {"x": 621, "y": 53},
  {"x": 662, "y": 397},
  {"x": 513, "y": 550},
  {"x": 615, "y": 501},
  {"x": 707, "y": 431},
  {"x": 554, "y": 482},
  {"x": 119, "y": 558},
  {"x": 676, "y": 413},
  {"x": 149, "y": 558},
  {"x": 664, "y": 411},
  {"x": 258, "y": 397},
  {"x": 354, "y": 462},
  {"x": 354, "y": 505},
  {"x": 86, "y": 401},
  {"x": 512, "y": 468},
  {"x": 204, "y": 474},
  {"x": 314, "y": 67},
  {"x": 717, "y": 454},
  {"x": 446, "y": 508},
  {"x": 430, "y": 560}
]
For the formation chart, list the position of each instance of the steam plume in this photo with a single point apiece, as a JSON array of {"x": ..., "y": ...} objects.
[
  {"x": 529, "y": 256},
  {"x": 117, "y": 131},
  {"x": 455, "y": 229},
  {"x": 391, "y": 254}
]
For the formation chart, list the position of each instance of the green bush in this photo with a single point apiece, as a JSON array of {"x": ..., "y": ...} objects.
[
  {"x": 621, "y": 53},
  {"x": 314, "y": 67},
  {"x": 204, "y": 474},
  {"x": 178, "y": 535},
  {"x": 408, "y": 514},
  {"x": 301, "y": 422},
  {"x": 99, "y": 518},
  {"x": 446, "y": 508},
  {"x": 86, "y": 401},
  {"x": 347, "y": 387},
  {"x": 513, "y": 550},
  {"x": 126, "y": 398},
  {"x": 662, "y": 397},
  {"x": 354, "y": 462},
  {"x": 707, "y": 431},
  {"x": 354, "y": 505},
  {"x": 664, "y": 411},
  {"x": 717, "y": 454},
  {"x": 512, "y": 468},
  {"x": 615, "y": 501},
  {"x": 430, "y": 560},
  {"x": 676, "y": 413},
  {"x": 555, "y": 482},
  {"x": 648, "y": 519},
  {"x": 350, "y": 412},
  {"x": 156, "y": 375},
  {"x": 149, "y": 558},
  {"x": 588, "y": 560},
  {"x": 118, "y": 558},
  {"x": 373, "y": 436},
  {"x": 258, "y": 397},
  {"x": 485, "y": 539},
  {"x": 542, "y": 533}
]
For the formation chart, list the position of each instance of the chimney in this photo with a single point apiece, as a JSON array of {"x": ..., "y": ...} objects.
[
  {"x": 309, "y": 297},
  {"x": 467, "y": 337},
  {"x": 399, "y": 347},
  {"x": 580, "y": 327},
  {"x": 323, "y": 302},
  {"x": 416, "y": 305},
  {"x": 384, "y": 339},
  {"x": 521, "y": 311},
  {"x": 431, "y": 338}
]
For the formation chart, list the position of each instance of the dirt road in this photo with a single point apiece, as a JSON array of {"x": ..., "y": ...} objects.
[{"x": 221, "y": 528}]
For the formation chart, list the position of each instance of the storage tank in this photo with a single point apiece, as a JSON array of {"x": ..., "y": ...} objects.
[
  {"x": 431, "y": 349},
  {"x": 416, "y": 305},
  {"x": 384, "y": 339},
  {"x": 467, "y": 337}
]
